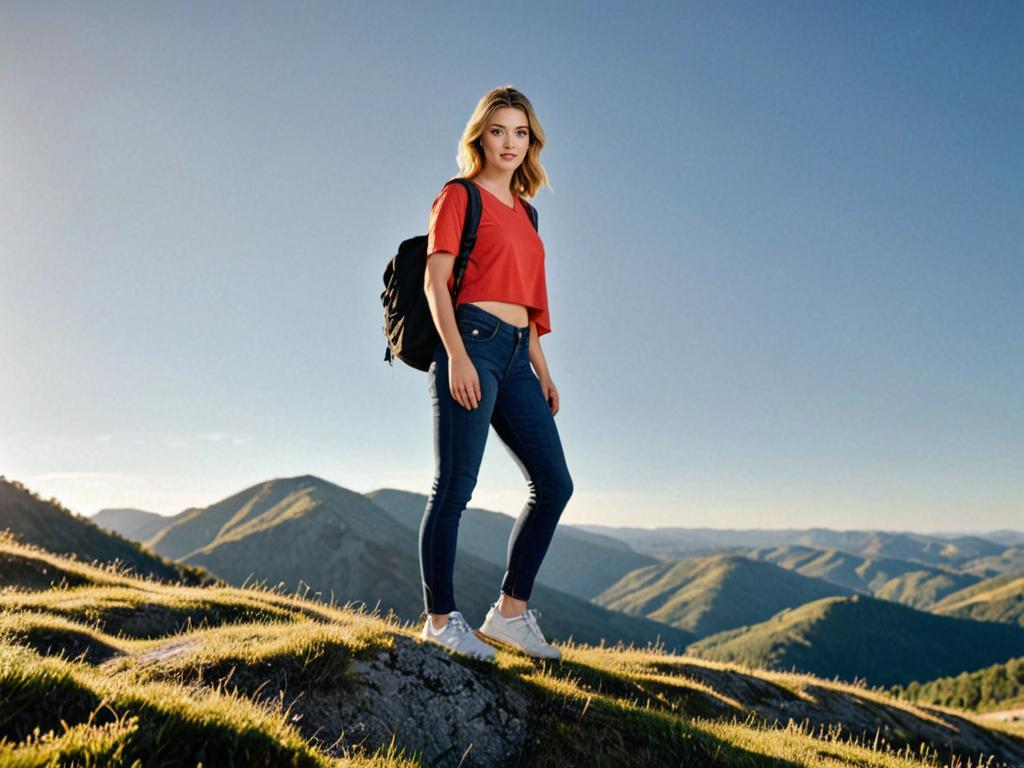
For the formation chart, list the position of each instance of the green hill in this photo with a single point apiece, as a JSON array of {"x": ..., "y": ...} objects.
[
  {"x": 705, "y": 595},
  {"x": 863, "y": 637},
  {"x": 50, "y": 525},
  {"x": 123, "y": 671},
  {"x": 1008, "y": 561},
  {"x": 902, "y": 581},
  {"x": 847, "y": 570},
  {"x": 1000, "y": 598},
  {"x": 997, "y": 687},
  {"x": 923, "y": 588}
]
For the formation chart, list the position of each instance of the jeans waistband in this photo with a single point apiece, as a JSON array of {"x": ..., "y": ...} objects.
[{"x": 491, "y": 319}]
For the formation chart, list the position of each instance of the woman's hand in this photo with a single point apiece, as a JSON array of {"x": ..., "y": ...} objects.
[
  {"x": 547, "y": 386},
  {"x": 464, "y": 382}
]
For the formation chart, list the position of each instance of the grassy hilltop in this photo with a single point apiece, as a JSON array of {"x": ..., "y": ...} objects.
[{"x": 103, "y": 667}]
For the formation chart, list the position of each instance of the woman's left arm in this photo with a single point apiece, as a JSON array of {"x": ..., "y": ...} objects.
[{"x": 540, "y": 365}]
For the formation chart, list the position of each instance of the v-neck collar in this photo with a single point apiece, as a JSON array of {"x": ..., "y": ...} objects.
[{"x": 503, "y": 203}]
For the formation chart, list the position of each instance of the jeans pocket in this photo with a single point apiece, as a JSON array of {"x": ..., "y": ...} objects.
[{"x": 475, "y": 330}]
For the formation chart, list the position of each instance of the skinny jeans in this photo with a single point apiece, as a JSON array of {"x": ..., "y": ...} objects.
[{"x": 513, "y": 403}]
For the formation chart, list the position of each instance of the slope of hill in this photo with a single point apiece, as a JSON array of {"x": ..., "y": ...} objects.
[
  {"x": 863, "y": 637},
  {"x": 924, "y": 588},
  {"x": 50, "y": 525},
  {"x": 580, "y": 563},
  {"x": 832, "y": 565},
  {"x": 709, "y": 594},
  {"x": 964, "y": 549},
  {"x": 155, "y": 674},
  {"x": 306, "y": 532},
  {"x": 901, "y": 581},
  {"x": 255, "y": 507},
  {"x": 1008, "y": 561},
  {"x": 1000, "y": 598},
  {"x": 994, "y": 688},
  {"x": 135, "y": 524}
]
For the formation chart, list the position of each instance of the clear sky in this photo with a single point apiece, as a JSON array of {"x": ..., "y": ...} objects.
[{"x": 784, "y": 251}]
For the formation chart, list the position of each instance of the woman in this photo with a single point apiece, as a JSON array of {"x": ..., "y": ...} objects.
[{"x": 480, "y": 375}]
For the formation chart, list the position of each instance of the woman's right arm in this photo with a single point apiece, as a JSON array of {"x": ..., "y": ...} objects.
[{"x": 463, "y": 381}]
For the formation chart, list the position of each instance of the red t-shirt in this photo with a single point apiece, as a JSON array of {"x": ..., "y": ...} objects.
[{"x": 507, "y": 262}]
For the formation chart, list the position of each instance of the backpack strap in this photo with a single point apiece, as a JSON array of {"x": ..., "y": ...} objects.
[
  {"x": 531, "y": 210},
  {"x": 469, "y": 228}
]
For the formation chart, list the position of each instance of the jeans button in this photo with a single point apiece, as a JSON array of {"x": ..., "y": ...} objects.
[{"x": 475, "y": 331}]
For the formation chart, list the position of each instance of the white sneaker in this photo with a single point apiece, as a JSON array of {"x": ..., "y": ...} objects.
[
  {"x": 521, "y": 632},
  {"x": 459, "y": 636}
]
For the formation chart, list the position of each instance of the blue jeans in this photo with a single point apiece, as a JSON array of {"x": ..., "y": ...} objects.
[{"x": 512, "y": 401}]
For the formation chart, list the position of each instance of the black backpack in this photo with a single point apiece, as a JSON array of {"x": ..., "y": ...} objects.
[{"x": 408, "y": 325}]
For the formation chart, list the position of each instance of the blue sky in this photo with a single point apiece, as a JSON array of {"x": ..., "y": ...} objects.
[{"x": 783, "y": 250}]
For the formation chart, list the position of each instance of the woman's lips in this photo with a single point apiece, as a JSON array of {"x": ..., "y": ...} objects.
[{"x": 508, "y": 157}]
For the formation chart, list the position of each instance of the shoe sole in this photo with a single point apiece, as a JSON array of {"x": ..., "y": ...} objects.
[
  {"x": 505, "y": 645},
  {"x": 467, "y": 654}
]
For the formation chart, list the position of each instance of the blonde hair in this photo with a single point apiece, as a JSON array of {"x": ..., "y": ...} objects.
[{"x": 530, "y": 176}]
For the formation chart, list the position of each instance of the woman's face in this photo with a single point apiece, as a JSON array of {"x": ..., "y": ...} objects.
[{"x": 506, "y": 138}]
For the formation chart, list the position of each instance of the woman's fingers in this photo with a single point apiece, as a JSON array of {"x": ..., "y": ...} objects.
[
  {"x": 464, "y": 383},
  {"x": 553, "y": 400},
  {"x": 466, "y": 395}
]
